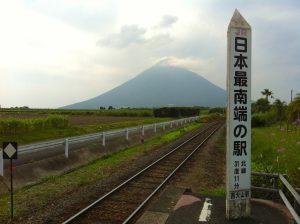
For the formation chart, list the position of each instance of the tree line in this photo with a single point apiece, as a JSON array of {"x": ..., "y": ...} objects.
[{"x": 266, "y": 113}]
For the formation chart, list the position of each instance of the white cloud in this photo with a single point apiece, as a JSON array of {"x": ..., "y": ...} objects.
[
  {"x": 199, "y": 65},
  {"x": 128, "y": 35},
  {"x": 206, "y": 67},
  {"x": 168, "y": 21},
  {"x": 133, "y": 35}
]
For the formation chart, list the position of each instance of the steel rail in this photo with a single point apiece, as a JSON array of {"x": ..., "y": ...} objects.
[
  {"x": 78, "y": 214},
  {"x": 165, "y": 181}
]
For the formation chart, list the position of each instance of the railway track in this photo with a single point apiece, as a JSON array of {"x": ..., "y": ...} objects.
[{"x": 122, "y": 203}]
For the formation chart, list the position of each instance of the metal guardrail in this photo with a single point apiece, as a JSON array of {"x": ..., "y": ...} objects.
[
  {"x": 30, "y": 148},
  {"x": 281, "y": 185}
]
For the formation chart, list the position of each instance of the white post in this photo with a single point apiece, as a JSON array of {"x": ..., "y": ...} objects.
[
  {"x": 103, "y": 138},
  {"x": 1, "y": 164},
  {"x": 143, "y": 130},
  {"x": 67, "y": 148},
  {"x": 171, "y": 124},
  {"x": 154, "y": 128},
  {"x": 127, "y": 134},
  {"x": 164, "y": 126},
  {"x": 238, "y": 181}
]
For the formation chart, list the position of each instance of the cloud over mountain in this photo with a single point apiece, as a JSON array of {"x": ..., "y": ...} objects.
[{"x": 129, "y": 34}]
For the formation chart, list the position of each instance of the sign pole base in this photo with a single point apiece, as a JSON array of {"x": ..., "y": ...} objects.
[
  {"x": 238, "y": 208},
  {"x": 11, "y": 192}
]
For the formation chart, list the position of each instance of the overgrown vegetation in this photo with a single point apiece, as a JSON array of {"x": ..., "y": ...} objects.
[
  {"x": 128, "y": 112},
  {"x": 32, "y": 198},
  {"x": 266, "y": 114},
  {"x": 264, "y": 119},
  {"x": 26, "y": 125},
  {"x": 275, "y": 150},
  {"x": 275, "y": 140},
  {"x": 293, "y": 110},
  {"x": 40, "y": 133},
  {"x": 13, "y": 126},
  {"x": 176, "y": 111}
]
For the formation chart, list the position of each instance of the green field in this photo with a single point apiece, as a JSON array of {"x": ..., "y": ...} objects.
[
  {"x": 277, "y": 151},
  {"x": 32, "y": 125},
  {"x": 57, "y": 126}
]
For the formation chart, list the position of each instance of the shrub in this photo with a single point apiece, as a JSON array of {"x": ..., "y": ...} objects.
[
  {"x": 176, "y": 112},
  {"x": 57, "y": 121},
  {"x": 258, "y": 121},
  {"x": 263, "y": 119}
]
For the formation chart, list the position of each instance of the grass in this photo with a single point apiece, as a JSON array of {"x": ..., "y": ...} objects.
[
  {"x": 217, "y": 192},
  {"x": 32, "y": 198},
  {"x": 54, "y": 133},
  {"x": 274, "y": 150}
]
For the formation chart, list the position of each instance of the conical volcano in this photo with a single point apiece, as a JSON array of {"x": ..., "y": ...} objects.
[{"x": 160, "y": 86}]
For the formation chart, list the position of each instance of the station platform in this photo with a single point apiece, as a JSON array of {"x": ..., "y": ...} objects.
[{"x": 182, "y": 206}]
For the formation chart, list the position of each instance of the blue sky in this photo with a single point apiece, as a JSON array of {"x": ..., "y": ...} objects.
[{"x": 57, "y": 52}]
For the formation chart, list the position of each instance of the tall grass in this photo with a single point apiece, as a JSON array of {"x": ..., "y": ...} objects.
[
  {"x": 13, "y": 126},
  {"x": 275, "y": 150}
]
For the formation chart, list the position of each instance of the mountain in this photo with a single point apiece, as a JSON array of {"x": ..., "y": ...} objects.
[{"x": 160, "y": 86}]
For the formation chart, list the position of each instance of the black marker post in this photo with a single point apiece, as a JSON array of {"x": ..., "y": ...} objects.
[{"x": 10, "y": 151}]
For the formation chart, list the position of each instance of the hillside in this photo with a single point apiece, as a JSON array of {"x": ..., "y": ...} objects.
[{"x": 160, "y": 86}]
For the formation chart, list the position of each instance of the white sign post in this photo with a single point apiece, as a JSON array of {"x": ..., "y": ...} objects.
[{"x": 238, "y": 118}]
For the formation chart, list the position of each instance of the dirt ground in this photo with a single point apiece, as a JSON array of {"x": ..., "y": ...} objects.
[{"x": 206, "y": 170}]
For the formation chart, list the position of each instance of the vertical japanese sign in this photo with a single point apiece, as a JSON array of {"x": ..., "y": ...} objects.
[{"x": 238, "y": 118}]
